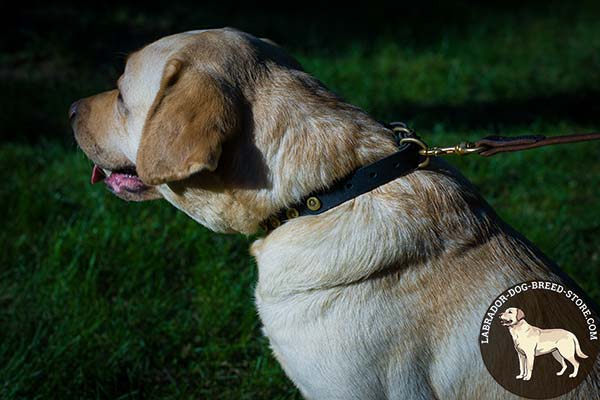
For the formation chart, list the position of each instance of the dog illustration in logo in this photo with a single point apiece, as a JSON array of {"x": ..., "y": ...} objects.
[{"x": 531, "y": 341}]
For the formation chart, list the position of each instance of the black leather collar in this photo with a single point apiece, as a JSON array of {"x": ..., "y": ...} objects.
[{"x": 361, "y": 181}]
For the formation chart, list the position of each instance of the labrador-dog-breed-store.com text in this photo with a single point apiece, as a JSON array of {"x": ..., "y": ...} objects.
[{"x": 380, "y": 297}]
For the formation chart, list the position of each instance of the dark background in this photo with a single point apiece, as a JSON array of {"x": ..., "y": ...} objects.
[{"x": 105, "y": 299}]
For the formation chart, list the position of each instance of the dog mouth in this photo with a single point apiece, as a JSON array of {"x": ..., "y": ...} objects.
[
  {"x": 122, "y": 180},
  {"x": 505, "y": 322}
]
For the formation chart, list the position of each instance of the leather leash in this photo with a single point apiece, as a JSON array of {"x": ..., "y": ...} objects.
[
  {"x": 491, "y": 145},
  {"x": 412, "y": 154}
]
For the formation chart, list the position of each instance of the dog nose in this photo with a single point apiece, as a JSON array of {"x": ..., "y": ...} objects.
[{"x": 73, "y": 109}]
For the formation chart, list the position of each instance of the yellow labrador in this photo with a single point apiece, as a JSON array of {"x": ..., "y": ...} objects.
[
  {"x": 531, "y": 341},
  {"x": 378, "y": 298}
]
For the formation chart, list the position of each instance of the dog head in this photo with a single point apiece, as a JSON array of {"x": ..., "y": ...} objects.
[
  {"x": 223, "y": 125},
  {"x": 511, "y": 316},
  {"x": 162, "y": 131}
]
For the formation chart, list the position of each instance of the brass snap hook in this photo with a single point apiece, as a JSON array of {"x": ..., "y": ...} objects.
[{"x": 461, "y": 149}]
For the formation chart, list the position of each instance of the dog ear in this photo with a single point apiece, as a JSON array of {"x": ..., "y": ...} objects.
[
  {"x": 520, "y": 314},
  {"x": 192, "y": 114}
]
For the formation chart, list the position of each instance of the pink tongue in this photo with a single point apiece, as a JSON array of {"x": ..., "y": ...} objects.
[
  {"x": 119, "y": 182},
  {"x": 97, "y": 174}
]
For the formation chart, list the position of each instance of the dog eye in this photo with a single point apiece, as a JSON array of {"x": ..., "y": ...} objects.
[{"x": 121, "y": 104}]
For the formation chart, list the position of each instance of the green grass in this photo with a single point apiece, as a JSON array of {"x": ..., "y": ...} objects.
[{"x": 100, "y": 298}]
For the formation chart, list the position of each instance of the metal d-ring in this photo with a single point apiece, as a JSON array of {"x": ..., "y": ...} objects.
[{"x": 422, "y": 152}]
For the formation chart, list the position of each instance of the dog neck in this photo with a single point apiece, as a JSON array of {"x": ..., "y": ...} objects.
[
  {"x": 519, "y": 327},
  {"x": 359, "y": 182},
  {"x": 313, "y": 143},
  {"x": 409, "y": 222}
]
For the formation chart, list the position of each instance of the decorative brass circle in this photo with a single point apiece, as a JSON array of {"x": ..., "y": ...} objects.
[
  {"x": 313, "y": 203},
  {"x": 274, "y": 222},
  {"x": 291, "y": 213}
]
